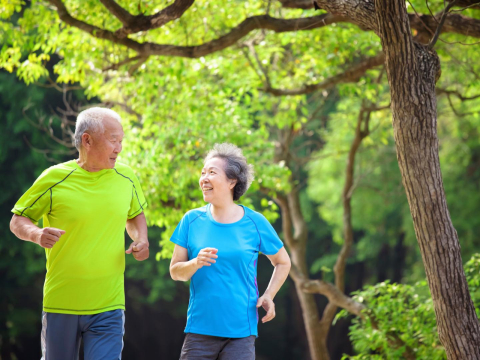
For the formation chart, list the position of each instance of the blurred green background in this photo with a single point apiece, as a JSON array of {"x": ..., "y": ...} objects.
[{"x": 175, "y": 109}]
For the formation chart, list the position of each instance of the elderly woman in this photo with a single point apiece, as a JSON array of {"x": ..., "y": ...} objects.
[{"x": 217, "y": 247}]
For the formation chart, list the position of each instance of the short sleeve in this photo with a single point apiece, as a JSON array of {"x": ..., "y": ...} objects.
[
  {"x": 36, "y": 200},
  {"x": 270, "y": 243},
  {"x": 138, "y": 203},
  {"x": 180, "y": 235}
]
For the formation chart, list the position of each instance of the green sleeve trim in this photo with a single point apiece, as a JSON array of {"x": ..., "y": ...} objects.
[
  {"x": 49, "y": 189},
  {"x": 21, "y": 213},
  {"x": 142, "y": 206}
]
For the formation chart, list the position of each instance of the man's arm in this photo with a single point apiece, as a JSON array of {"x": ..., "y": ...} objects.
[
  {"x": 137, "y": 230},
  {"x": 24, "y": 229}
]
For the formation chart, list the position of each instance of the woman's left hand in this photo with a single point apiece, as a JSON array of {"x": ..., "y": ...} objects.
[{"x": 267, "y": 303}]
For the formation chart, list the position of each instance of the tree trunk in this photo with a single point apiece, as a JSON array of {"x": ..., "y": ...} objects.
[
  {"x": 317, "y": 341},
  {"x": 412, "y": 72},
  {"x": 296, "y": 235}
]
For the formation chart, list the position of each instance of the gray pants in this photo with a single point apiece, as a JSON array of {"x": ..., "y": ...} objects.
[
  {"x": 102, "y": 336},
  {"x": 204, "y": 347}
]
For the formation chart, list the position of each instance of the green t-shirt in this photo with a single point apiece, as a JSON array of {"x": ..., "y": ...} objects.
[{"x": 85, "y": 267}]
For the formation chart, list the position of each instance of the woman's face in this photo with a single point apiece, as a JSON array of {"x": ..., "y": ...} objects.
[{"x": 214, "y": 182}]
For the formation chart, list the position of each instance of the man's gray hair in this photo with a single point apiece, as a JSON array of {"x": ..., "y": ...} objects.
[
  {"x": 236, "y": 167},
  {"x": 92, "y": 120}
]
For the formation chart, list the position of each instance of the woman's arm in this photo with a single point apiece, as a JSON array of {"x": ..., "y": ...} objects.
[
  {"x": 281, "y": 263},
  {"x": 182, "y": 269}
]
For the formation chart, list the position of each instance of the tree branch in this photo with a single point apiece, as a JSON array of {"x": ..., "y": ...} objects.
[
  {"x": 441, "y": 91},
  {"x": 123, "y": 62},
  {"x": 119, "y": 12},
  {"x": 473, "y": 4},
  {"x": 334, "y": 296},
  {"x": 440, "y": 25},
  {"x": 350, "y": 75},
  {"x": 144, "y": 23},
  {"x": 245, "y": 27},
  {"x": 363, "y": 17}
]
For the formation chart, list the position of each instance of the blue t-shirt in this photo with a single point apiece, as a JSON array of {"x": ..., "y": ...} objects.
[{"x": 223, "y": 296}]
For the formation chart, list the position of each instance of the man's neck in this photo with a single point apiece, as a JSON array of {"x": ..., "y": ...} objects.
[{"x": 83, "y": 162}]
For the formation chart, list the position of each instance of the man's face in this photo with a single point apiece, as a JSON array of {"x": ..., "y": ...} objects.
[{"x": 104, "y": 148}]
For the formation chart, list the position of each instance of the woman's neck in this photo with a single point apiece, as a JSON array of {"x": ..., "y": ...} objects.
[{"x": 227, "y": 213}]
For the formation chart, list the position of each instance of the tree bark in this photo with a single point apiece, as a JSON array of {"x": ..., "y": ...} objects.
[
  {"x": 412, "y": 73},
  {"x": 295, "y": 232}
]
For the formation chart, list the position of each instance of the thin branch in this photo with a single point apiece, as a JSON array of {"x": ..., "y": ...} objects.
[
  {"x": 440, "y": 91},
  {"x": 247, "y": 56},
  {"x": 455, "y": 111},
  {"x": 155, "y": 21},
  {"x": 251, "y": 47},
  {"x": 350, "y": 75},
  {"x": 334, "y": 296},
  {"x": 440, "y": 25},
  {"x": 123, "y": 62},
  {"x": 136, "y": 66},
  {"x": 429, "y": 10},
  {"x": 119, "y": 12},
  {"x": 475, "y": 4}
]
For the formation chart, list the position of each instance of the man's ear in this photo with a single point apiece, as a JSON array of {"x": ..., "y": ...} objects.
[{"x": 87, "y": 140}]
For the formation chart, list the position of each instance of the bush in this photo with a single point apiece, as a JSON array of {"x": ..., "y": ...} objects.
[{"x": 405, "y": 312}]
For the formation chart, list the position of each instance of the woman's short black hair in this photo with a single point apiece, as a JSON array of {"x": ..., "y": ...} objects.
[{"x": 236, "y": 166}]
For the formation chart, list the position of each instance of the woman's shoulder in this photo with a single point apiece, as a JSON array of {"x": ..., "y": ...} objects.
[
  {"x": 192, "y": 214},
  {"x": 255, "y": 216}
]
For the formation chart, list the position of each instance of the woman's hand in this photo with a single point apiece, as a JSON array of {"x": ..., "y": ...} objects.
[
  {"x": 206, "y": 257},
  {"x": 267, "y": 303}
]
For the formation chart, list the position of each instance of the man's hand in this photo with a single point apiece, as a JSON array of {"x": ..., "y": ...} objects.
[
  {"x": 267, "y": 303},
  {"x": 206, "y": 257},
  {"x": 47, "y": 237},
  {"x": 139, "y": 250}
]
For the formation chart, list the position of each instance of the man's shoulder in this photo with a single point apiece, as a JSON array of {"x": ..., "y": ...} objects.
[
  {"x": 124, "y": 169},
  {"x": 58, "y": 171}
]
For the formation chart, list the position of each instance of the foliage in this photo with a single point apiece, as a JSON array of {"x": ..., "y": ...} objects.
[
  {"x": 472, "y": 271},
  {"x": 175, "y": 109},
  {"x": 405, "y": 311}
]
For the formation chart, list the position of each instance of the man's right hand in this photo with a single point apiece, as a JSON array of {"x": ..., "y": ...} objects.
[
  {"x": 47, "y": 237},
  {"x": 206, "y": 257}
]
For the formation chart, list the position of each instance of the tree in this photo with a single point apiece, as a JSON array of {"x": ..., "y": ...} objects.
[{"x": 410, "y": 65}]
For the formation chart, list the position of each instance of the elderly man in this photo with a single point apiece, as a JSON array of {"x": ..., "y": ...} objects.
[{"x": 85, "y": 205}]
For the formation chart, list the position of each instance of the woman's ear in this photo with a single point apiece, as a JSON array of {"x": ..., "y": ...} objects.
[{"x": 233, "y": 183}]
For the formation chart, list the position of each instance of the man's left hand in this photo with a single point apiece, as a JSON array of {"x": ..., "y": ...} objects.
[{"x": 139, "y": 250}]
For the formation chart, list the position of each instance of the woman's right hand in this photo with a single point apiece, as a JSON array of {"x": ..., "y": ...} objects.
[{"x": 206, "y": 257}]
